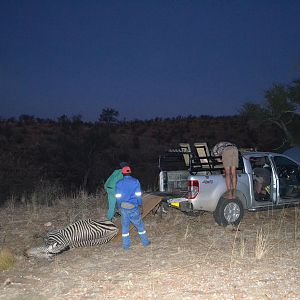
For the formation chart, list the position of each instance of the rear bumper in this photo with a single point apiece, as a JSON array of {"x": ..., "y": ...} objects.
[{"x": 181, "y": 203}]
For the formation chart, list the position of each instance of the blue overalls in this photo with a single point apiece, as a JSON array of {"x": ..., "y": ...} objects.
[{"x": 129, "y": 198}]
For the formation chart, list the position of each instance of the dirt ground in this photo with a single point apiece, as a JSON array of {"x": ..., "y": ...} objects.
[{"x": 189, "y": 257}]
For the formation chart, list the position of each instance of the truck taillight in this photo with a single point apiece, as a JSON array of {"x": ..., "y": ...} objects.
[{"x": 193, "y": 188}]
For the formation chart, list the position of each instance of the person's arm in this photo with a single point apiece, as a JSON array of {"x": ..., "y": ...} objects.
[
  {"x": 118, "y": 195},
  {"x": 216, "y": 156},
  {"x": 116, "y": 178},
  {"x": 107, "y": 182},
  {"x": 138, "y": 194},
  {"x": 113, "y": 179}
]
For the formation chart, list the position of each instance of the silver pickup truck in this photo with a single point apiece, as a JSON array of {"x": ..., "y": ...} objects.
[{"x": 265, "y": 180}]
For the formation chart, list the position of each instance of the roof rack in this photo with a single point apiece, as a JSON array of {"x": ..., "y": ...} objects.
[
  {"x": 184, "y": 158},
  {"x": 176, "y": 159}
]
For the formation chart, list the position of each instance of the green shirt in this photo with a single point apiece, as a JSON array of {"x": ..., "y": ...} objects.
[{"x": 113, "y": 179}]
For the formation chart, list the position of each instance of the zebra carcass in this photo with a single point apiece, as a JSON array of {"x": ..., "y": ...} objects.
[{"x": 83, "y": 233}]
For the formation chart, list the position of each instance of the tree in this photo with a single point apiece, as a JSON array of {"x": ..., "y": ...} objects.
[
  {"x": 63, "y": 120},
  {"x": 27, "y": 119},
  {"x": 294, "y": 91},
  {"x": 279, "y": 109},
  {"x": 109, "y": 116}
]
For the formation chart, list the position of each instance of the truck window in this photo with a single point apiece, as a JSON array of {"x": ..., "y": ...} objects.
[
  {"x": 289, "y": 177},
  {"x": 262, "y": 177}
]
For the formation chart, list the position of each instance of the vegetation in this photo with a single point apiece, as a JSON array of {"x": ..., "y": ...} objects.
[
  {"x": 281, "y": 109},
  {"x": 7, "y": 259},
  {"x": 71, "y": 154}
]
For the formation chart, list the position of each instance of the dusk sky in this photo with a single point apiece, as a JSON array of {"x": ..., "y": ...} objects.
[{"x": 145, "y": 59}]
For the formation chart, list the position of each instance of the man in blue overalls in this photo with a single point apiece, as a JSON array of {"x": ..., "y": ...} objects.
[{"x": 129, "y": 198}]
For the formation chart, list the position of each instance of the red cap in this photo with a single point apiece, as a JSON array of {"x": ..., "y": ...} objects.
[{"x": 126, "y": 170}]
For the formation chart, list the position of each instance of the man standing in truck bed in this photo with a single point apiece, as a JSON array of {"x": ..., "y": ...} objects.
[{"x": 230, "y": 159}]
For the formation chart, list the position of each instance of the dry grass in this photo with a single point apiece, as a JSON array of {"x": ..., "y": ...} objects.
[
  {"x": 296, "y": 224},
  {"x": 7, "y": 259},
  {"x": 189, "y": 258},
  {"x": 242, "y": 247},
  {"x": 271, "y": 238},
  {"x": 262, "y": 244}
]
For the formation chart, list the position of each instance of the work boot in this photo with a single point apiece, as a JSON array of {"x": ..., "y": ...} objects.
[{"x": 147, "y": 244}]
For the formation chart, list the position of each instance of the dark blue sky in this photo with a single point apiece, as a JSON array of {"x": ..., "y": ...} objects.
[{"x": 145, "y": 59}]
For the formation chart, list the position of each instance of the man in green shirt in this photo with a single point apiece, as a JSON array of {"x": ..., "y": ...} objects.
[{"x": 110, "y": 186}]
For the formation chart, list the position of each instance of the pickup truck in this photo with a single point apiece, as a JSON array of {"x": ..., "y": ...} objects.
[{"x": 194, "y": 183}]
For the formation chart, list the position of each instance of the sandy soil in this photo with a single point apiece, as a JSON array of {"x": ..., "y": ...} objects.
[{"x": 189, "y": 258}]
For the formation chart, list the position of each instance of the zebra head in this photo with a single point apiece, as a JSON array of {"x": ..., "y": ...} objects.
[
  {"x": 57, "y": 248},
  {"x": 47, "y": 251},
  {"x": 56, "y": 242}
]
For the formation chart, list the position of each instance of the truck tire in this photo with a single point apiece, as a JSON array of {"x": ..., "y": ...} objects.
[{"x": 229, "y": 211}]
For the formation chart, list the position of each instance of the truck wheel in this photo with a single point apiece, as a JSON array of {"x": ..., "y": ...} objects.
[{"x": 229, "y": 211}]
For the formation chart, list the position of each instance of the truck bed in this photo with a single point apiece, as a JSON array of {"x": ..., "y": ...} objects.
[{"x": 174, "y": 171}]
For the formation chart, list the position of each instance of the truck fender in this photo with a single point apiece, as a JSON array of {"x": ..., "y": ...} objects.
[{"x": 239, "y": 195}]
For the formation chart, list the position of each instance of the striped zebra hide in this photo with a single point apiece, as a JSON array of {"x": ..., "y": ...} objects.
[{"x": 83, "y": 233}]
